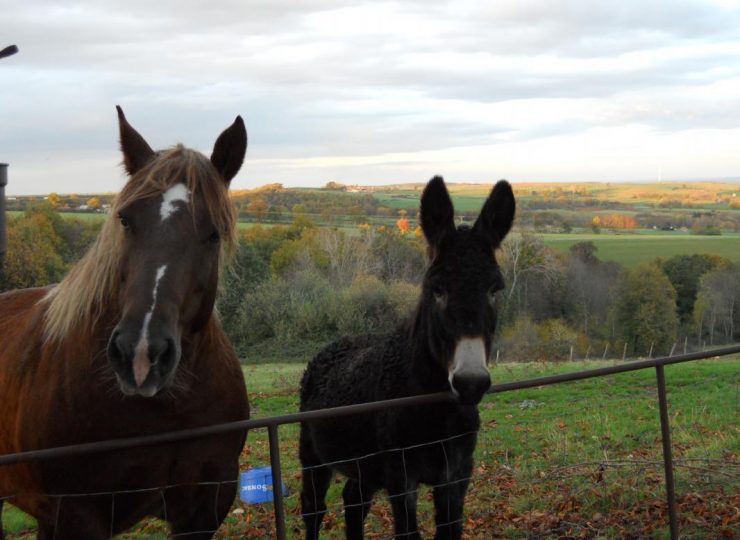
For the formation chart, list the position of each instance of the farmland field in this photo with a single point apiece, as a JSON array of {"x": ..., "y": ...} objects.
[
  {"x": 628, "y": 249},
  {"x": 471, "y": 196},
  {"x": 580, "y": 459},
  {"x": 632, "y": 249},
  {"x": 87, "y": 216}
]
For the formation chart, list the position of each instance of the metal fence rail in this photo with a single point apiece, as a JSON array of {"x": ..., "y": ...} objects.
[{"x": 272, "y": 423}]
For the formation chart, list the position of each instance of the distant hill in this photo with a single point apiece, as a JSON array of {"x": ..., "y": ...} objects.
[{"x": 544, "y": 207}]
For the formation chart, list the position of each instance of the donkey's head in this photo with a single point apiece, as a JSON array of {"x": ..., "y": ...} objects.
[
  {"x": 458, "y": 307},
  {"x": 174, "y": 218}
]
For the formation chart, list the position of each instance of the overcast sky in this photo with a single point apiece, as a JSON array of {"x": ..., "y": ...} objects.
[{"x": 375, "y": 92}]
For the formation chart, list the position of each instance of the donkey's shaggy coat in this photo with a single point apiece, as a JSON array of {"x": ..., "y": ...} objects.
[{"x": 443, "y": 347}]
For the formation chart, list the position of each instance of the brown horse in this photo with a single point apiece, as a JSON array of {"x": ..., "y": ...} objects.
[{"x": 128, "y": 344}]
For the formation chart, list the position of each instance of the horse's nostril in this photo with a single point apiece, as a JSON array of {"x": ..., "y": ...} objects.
[
  {"x": 118, "y": 348},
  {"x": 164, "y": 353}
]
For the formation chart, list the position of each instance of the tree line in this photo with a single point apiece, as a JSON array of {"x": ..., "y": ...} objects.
[{"x": 292, "y": 288}]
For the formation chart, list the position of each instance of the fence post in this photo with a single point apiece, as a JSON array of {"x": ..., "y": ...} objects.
[
  {"x": 665, "y": 429},
  {"x": 10, "y": 50},
  {"x": 277, "y": 481},
  {"x": 3, "y": 234}
]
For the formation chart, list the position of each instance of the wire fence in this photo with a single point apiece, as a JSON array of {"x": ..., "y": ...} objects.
[{"x": 577, "y": 465}]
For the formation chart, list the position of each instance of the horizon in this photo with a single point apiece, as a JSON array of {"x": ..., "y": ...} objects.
[{"x": 730, "y": 181}]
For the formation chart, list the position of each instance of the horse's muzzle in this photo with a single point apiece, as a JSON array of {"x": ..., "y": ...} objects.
[{"x": 143, "y": 365}]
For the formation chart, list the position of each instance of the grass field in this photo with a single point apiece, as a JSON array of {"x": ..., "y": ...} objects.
[
  {"x": 576, "y": 460},
  {"x": 633, "y": 249},
  {"x": 87, "y": 216},
  {"x": 471, "y": 196}
]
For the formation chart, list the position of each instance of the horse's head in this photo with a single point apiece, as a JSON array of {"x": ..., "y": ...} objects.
[
  {"x": 173, "y": 216},
  {"x": 458, "y": 306}
]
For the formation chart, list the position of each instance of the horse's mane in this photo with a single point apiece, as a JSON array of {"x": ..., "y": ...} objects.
[{"x": 93, "y": 283}]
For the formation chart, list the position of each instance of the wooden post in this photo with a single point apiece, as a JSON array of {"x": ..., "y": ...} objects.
[
  {"x": 624, "y": 351},
  {"x": 571, "y": 354},
  {"x": 606, "y": 348},
  {"x": 650, "y": 354}
]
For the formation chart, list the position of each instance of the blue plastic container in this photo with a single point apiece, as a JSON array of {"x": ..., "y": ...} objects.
[{"x": 255, "y": 486}]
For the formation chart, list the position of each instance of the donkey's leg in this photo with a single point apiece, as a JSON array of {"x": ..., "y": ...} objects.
[
  {"x": 449, "y": 499},
  {"x": 448, "y": 507},
  {"x": 313, "y": 494},
  {"x": 358, "y": 498},
  {"x": 403, "y": 497},
  {"x": 316, "y": 479},
  {"x": 2, "y": 536}
]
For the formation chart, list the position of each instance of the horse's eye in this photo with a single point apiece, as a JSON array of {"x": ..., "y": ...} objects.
[
  {"x": 124, "y": 222},
  {"x": 215, "y": 238},
  {"x": 440, "y": 296}
]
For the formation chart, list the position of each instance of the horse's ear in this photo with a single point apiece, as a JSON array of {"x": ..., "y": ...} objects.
[
  {"x": 497, "y": 214},
  {"x": 136, "y": 151},
  {"x": 436, "y": 213},
  {"x": 229, "y": 150}
]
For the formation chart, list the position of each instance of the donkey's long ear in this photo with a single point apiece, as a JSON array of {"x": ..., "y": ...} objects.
[
  {"x": 229, "y": 150},
  {"x": 436, "y": 213},
  {"x": 497, "y": 214},
  {"x": 136, "y": 151}
]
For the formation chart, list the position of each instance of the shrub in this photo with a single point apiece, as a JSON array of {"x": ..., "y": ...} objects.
[
  {"x": 556, "y": 339},
  {"x": 366, "y": 307}
]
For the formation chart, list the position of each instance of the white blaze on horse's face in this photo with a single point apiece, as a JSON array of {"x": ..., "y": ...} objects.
[
  {"x": 142, "y": 363},
  {"x": 468, "y": 373},
  {"x": 176, "y": 193}
]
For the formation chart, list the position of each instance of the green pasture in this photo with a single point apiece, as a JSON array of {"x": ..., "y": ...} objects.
[
  {"x": 633, "y": 249},
  {"x": 86, "y": 216},
  {"x": 409, "y": 199},
  {"x": 581, "y": 458}
]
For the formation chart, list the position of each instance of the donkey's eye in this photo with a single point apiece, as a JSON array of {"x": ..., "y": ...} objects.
[
  {"x": 215, "y": 238},
  {"x": 493, "y": 294},
  {"x": 124, "y": 222}
]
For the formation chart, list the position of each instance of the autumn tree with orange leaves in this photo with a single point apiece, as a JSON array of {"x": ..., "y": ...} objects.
[{"x": 403, "y": 225}]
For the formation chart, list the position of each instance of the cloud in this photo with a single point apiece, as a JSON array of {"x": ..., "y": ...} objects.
[{"x": 323, "y": 79}]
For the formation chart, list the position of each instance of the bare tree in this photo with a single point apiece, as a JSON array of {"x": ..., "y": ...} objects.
[
  {"x": 526, "y": 264},
  {"x": 348, "y": 256},
  {"x": 717, "y": 303}
]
